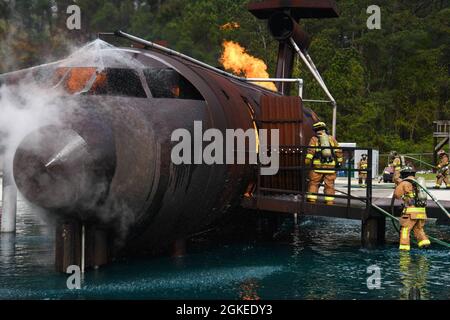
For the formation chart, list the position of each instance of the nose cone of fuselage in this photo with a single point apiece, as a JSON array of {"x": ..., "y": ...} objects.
[{"x": 65, "y": 167}]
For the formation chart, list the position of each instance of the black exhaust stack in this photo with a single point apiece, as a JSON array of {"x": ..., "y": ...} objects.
[{"x": 283, "y": 18}]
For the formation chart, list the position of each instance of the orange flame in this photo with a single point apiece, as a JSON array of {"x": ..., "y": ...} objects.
[
  {"x": 77, "y": 78},
  {"x": 230, "y": 26},
  {"x": 235, "y": 59}
]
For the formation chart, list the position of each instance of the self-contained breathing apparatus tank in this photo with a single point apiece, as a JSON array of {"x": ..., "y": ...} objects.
[
  {"x": 402, "y": 161},
  {"x": 421, "y": 195},
  {"x": 326, "y": 153}
]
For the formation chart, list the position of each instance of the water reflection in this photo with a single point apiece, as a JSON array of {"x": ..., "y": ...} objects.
[
  {"x": 316, "y": 259},
  {"x": 7, "y": 248},
  {"x": 297, "y": 243},
  {"x": 249, "y": 290},
  {"x": 414, "y": 275}
]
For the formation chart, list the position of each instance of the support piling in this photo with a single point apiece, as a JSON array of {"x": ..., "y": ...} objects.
[
  {"x": 179, "y": 248},
  {"x": 9, "y": 200},
  {"x": 67, "y": 245},
  {"x": 373, "y": 231},
  {"x": 83, "y": 245}
]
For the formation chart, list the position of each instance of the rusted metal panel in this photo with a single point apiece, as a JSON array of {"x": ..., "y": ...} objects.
[
  {"x": 286, "y": 115},
  {"x": 299, "y": 8}
]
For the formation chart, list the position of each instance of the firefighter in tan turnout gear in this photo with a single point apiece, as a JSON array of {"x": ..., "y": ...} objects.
[
  {"x": 362, "y": 175},
  {"x": 443, "y": 170},
  {"x": 323, "y": 161},
  {"x": 414, "y": 213},
  {"x": 397, "y": 165}
]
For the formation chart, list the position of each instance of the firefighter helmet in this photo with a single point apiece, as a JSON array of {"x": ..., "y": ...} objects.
[
  {"x": 318, "y": 126},
  {"x": 441, "y": 153},
  {"x": 407, "y": 171},
  {"x": 393, "y": 154}
]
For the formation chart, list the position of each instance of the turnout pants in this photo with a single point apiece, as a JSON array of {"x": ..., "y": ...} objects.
[
  {"x": 362, "y": 179},
  {"x": 417, "y": 226},
  {"x": 443, "y": 178},
  {"x": 396, "y": 177},
  {"x": 315, "y": 178}
]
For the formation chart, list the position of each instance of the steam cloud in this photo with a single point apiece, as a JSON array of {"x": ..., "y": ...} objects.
[{"x": 30, "y": 100}]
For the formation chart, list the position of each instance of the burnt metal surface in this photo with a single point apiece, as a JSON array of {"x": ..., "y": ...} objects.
[
  {"x": 299, "y": 8},
  {"x": 120, "y": 176},
  {"x": 67, "y": 167},
  {"x": 286, "y": 115}
]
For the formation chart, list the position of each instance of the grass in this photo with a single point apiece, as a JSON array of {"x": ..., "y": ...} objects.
[{"x": 427, "y": 176}]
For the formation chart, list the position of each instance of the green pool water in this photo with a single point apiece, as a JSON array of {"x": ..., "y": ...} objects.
[{"x": 317, "y": 259}]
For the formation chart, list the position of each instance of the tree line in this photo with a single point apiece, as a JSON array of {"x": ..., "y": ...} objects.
[{"x": 390, "y": 84}]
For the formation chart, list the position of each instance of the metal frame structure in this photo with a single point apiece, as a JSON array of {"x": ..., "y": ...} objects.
[
  {"x": 313, "y": 69},
  {"x": 297, "y": 80},
  {"x": 304, "y": 171},
  {"x": 441, "y": 131}
]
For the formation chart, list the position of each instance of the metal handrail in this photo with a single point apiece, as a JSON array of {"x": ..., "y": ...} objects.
[
  {"x": 298, "y": 80},
  {"x": 303, "y": 170}
]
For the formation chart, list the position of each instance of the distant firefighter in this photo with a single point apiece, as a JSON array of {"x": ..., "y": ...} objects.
[
  {"x": 443, "y": 172},
  {"x": 362, "y": 175},
  {"x": 324, "y": 160},
  {"x": 414, "y": 212},
  {"x": 397, "y": 165}
]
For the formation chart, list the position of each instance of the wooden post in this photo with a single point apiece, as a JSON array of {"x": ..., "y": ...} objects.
[
  {"x": 100, "y": 248},
  {"x": 67, "y": 245},
  {"x": 69, "y": 241},
  {"x": 97, "y": 248},
  {"x": 179, "y": 248},
  {"x": 373, "y": 231}
]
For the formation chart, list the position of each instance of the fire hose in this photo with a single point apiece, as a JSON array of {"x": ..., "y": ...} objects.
[
  {"x": 445, "y": 168},
  {"x": 421, "y": 161},
  {"x": 394, "y": 218},
  {"x": 430, "y": 194}
]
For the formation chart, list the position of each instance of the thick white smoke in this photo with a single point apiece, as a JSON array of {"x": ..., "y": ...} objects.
[
  {"x": 24, "y": 107},
  {"x": 28, "y": 102},
  {"x": 31, "y": 99}
]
